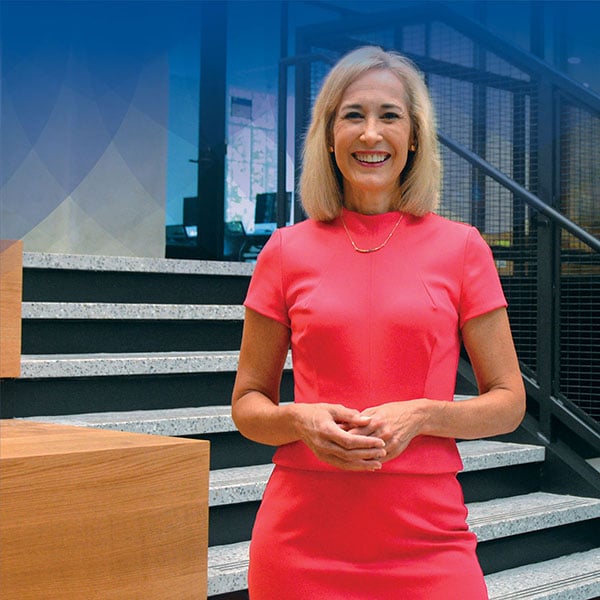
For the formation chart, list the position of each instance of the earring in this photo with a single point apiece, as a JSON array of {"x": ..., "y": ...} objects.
[
  {"x": 330, "y": 148},
  {"x": 412, "y": 148}
]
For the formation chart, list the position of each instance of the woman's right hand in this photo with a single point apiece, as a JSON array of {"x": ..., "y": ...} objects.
[{"x": 324, "y": 429}]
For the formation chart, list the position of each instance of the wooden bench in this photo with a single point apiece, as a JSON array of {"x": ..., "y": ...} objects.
[
  {"x": 11, "y": 285},
  {"x": 87, "y": 513}
]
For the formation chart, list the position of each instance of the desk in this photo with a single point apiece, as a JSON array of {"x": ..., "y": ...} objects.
[
  {"x": 252, "y": 245},
  {"x": 89, "y": 513}
]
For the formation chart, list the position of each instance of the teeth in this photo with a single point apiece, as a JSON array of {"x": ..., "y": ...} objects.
[{"x": 370, "y": 158}]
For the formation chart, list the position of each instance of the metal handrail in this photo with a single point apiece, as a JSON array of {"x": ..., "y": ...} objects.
[{"x": 531, "y": 199}]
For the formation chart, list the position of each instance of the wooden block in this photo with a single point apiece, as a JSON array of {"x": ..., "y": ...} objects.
[
  {"x": 95, "y": 514},
  {"x": 11, "y": 286}
]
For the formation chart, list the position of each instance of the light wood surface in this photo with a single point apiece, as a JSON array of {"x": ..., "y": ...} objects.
[
  {"x": 88, "y": 514},
  {"x": 11, "y": 286}
]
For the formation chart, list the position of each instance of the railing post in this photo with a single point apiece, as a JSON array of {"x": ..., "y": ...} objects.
[{"x": 548, "y": 256}]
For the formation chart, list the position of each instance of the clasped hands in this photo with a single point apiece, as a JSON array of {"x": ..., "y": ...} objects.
[{"x": 361, "y": 441}]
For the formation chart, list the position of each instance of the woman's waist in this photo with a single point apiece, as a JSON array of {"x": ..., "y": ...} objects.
[{"x": 425, "y": 454}]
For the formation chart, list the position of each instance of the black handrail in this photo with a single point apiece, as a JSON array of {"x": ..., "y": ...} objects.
[{"x": 511, "y": 185}]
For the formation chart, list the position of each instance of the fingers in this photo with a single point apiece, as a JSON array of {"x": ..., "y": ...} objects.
[
  {"x": 348, "y": 418},
  {"x": 327, "y": 437},
  {"x": 395, "y": 423},
  {"x": 370, "y": 459}
]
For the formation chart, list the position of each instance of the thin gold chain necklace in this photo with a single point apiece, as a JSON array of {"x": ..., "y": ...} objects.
[{"x": 368, "y": 250}]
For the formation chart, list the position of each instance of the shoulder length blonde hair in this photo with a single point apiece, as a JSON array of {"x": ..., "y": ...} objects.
[{"x": 321, "y": 182}]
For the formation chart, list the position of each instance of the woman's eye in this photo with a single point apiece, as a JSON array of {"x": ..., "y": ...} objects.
[
  {"x": 390, "y": 116},
  {"x": 353, "y": 115}
]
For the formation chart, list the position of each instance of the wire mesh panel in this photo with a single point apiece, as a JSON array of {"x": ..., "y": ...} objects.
[{"x": 580, "y": 267}]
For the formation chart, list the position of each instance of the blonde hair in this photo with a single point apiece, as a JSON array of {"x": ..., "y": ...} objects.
[{"x": 320, "y": 185}]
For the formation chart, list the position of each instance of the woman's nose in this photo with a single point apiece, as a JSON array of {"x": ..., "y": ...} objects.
[{"x": 371, "y": 132}]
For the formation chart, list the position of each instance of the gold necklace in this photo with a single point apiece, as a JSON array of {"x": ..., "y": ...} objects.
[{"x": 368, "y": 250}]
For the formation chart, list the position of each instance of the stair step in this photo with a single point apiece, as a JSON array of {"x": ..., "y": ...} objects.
[
  {"x": 130, "y": 311},
  {"x": 170, "y": 421},
  {"x": 228, "y": 564},
  {"x": 215, "y": 419},
  {"x": 238, "y": 484},
  {"x": 129, "y": 264},
  {"x": 572, "y": 577},
  {"x": 131, "y": 363},
  {"x": 246, "y": 484},
  {"x": 115, "y": 279},
  {"x": 514, "y": 515},
  {"x": 228, "y": 568}
]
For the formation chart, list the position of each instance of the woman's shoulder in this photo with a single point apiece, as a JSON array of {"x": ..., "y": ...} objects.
[
  {"x": 308, "y": 231},
  {"x": 444, "y": 237}
]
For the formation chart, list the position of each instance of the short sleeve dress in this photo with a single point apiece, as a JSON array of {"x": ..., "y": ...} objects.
[{"x": 367, "y": 329}]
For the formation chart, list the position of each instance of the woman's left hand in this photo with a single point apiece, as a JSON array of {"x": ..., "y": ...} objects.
[{"x": 396, "y": 423}]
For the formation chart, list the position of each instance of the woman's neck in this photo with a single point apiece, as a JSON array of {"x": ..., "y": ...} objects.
[{"x": 370, "y": 203}]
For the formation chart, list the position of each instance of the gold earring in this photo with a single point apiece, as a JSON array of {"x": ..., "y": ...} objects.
[
  {"x": 330, "y": 148},
  {"x": 412, "y": 148}
]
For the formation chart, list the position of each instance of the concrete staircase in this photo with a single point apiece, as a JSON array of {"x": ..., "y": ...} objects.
[{"x": 151, "y": 346}]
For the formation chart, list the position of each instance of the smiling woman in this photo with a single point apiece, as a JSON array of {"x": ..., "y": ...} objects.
[{"x": 374, "y": 294}]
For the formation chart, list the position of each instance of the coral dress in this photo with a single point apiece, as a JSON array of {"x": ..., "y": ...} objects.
[{"x": 367, "y": 329}]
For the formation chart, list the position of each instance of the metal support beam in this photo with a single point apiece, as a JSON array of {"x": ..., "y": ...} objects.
[
  {"x": 282, "y": 93},
  {"x": 212, "y": 146},
  {"x": 548, "y": 259}
]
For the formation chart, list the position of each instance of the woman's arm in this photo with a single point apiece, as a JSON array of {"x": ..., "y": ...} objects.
[
  {"x": 258, "y": 415},
  {"x": 498, "y": 409}
]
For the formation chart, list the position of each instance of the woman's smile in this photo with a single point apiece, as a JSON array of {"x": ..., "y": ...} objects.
[{"x": 371, "y": 159}]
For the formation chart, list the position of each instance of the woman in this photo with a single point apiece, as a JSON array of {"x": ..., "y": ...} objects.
[{"x": 374, "y": 293}]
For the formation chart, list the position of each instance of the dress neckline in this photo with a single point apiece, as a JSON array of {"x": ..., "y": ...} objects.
[{"x": 372, "y": 223}]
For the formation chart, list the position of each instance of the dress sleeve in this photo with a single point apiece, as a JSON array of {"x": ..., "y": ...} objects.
[
  {"x": 481, "y": 290},
  {"x": 265, "y": 293}
]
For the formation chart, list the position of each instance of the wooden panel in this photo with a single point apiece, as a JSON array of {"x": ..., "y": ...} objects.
[
  {"x": 11, "y": 286},
  {"x": 96, "y": 514}
]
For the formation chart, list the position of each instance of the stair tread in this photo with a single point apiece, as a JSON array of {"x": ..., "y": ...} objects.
[
  {"x": 133, "y": 265},
  {"x": 238, "y": 484},
  {"x": 503, "y": 517},
  {"x": 572, "y": 577},
  {"x": 170, "y": 421},
  {"x": 38, "y": 366},
  {"x": 130, "y": 311}
]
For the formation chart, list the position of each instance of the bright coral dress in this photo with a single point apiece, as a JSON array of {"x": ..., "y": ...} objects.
[{"x": 368, "y": 329}]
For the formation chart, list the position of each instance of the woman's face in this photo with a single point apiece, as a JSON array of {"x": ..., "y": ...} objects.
[{"x": 371, "y": 138}]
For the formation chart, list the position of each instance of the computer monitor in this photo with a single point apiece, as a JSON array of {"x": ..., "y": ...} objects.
[{"x": 265, "y": 211}]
